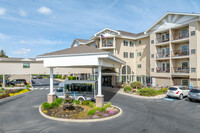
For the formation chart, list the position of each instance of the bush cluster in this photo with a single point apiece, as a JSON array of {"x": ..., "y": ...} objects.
[
  {"x": 76, "y": 102},
  {"x": 127, "y": 88},
  {"x": 59, "y": 76},
  {"x": 147, "y": 92},
  {"x": 71, "y": 78},
  {"x": 54, "y": 104},
  {"x": 93, "y": 111},
  {"x": 136, "y": 85},
  {"x": 86, "y": 102}
]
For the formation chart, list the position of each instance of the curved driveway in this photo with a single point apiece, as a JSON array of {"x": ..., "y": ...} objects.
[{"x": 139, "y": 116}]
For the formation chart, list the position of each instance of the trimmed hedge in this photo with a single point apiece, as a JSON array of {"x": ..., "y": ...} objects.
[
  {"x": 147, "y": 92},
  {"x": 127, "y": 88},
  {"x": 71, "y": 78},
  {"x": 136, "y": 85}
]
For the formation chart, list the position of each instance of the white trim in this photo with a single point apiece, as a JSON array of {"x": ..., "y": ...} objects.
[{"x": 107, "y": 29}]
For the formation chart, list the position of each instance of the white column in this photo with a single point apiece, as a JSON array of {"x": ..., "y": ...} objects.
[
  {"x": 100, "y": 45},
  {"x": 92, "y": 73},
  {"x": 4, "y": 82},
  {"x": 51, "y": 80},
  {"x": 30, "y": 76},
  {"x": 114, "y": 44},
  {"x": 99, "y": 82},
  {"x": 120, "y": 75}
]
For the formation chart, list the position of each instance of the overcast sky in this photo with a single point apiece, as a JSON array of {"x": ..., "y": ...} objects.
[{"x": 32, "y": 27}]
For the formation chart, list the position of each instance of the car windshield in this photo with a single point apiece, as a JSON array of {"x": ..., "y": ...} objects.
[
  {"x": 172, "y": 89},
  {"x": 195, "y": 91}
]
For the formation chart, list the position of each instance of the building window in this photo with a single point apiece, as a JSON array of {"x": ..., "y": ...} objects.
[
  {"x": 131, "y": 55},
  {"x": 139, "y": 66},
  {"x": 139, "y": 78},
  {"x": 193, "y": 69},
  {"x": 125, "y": 54},
  {"x": 26, "y": 65},
  {"x": 139, "y": 42},
  {"x": 152, "y": 69},
  {"x": 131, "y": 43},
  {"x": 139, "y": 53},
  {"x": 95, "y": 45},
  {"x": 125, "y": 43},
  {"x": 193, "y": 51},
  {"x": 152, "y": 41},
  {"x": 152, "y": 55},
  {"x": 192, "y": 33},
  {"x": 185, "y": 82}
]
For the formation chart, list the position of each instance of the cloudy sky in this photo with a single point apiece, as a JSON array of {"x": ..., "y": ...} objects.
[{"x": 32, "y": 27}]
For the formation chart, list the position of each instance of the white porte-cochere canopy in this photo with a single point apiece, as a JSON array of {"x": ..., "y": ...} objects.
[{"x": 81, "y": 57}]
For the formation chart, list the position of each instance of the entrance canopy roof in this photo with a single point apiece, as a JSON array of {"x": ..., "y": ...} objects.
[{"x": 81, "y": 56}]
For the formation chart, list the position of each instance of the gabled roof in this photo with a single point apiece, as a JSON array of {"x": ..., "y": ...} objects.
[
  {"x": 82, "y": 40},
  {"x": 129, "y": 34},
  {"x": 81, "y": 49},
  {"x": 173, "y": 18}
]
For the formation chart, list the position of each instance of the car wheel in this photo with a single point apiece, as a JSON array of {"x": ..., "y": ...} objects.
[
  {"x": 81, "y": 99},
  {"x": 168, "y": 96},
  {"x": 181, "y": 96},
  {"x": 190, "y": 99}
]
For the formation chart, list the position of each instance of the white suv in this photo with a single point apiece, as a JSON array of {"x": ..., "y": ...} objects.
[{"x": 178, "y": 91}]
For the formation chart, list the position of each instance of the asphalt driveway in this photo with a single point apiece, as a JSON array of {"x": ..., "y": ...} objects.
[{"x": 139, "y": 116}]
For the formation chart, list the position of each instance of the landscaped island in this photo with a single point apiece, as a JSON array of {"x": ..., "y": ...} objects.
[
  {"x": 137, "y": 89},
  {"x": 11, "y": 92},
  {"x": 79, "y": 110}
]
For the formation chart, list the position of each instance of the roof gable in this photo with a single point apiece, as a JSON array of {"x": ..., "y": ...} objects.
[
  {"x": 107, "y": 32},
  {"x": 172, "y": 19}
]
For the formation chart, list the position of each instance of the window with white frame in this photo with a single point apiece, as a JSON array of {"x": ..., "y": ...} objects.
[
  {"x": 131, "y": 43},
  {"x": 125, "y": 43},
  {"x": 139, "y": 54},
  {"x": 193, "y": 69},
  {"x": 125, "y": 54},
  {"x": 139, "y": 66},
  {"x": 131, "y": 55}
]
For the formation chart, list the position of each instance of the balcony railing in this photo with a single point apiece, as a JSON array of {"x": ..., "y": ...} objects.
[
  {"x": 162, "y": 70},
  {"x": 180, "y": 69},
  {"x": 163, "y": 54},
  {"x": 182, "y": 35},
  {"x": 107, "y": 45},
  {"x": 162, "y": 39},
  {"x": 176, "y": 53}
]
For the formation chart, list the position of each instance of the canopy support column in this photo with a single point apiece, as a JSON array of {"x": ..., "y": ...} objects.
[
  {"x": 99, "y": 97},
  {"x": 92, "y": 73},
  {"x": 51, "y": 96},
  {"x": 4, "y": 81}
]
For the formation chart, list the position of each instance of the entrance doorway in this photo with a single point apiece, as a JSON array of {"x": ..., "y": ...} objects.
[{"x": 107, "y": 80}]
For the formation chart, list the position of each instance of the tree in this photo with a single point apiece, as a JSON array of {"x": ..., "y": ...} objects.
[{"x": 3, "y": 54}]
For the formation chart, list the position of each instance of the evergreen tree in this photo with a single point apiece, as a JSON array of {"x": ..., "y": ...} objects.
[{"x": 3, "y": 54}]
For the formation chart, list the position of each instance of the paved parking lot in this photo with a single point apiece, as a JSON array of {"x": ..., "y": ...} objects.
[{"x": 139, "y": 116}]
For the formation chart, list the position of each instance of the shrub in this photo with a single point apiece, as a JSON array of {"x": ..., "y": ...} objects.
[
  {"x": 2, "y": 89},
  {"x": 64, "y": 77},
  {"x": 71, "y": 78},
  {"x": 28, "y": 86},
  {"x": 46, "y": 106},
  {"x": 54, "y": 104},
  {"x": 107, "y": 105},
  {"x": 165, "y": 89},
  {"x": 59, "y": 100},
  {"x": 92, "y": 112},
  {"x": 127, "y": 88},
  {"x": 147, "y": 92},
  {"x": 59, "y": 76},
  {"x": 86, "y": 102},
  {"x": 102, "y": 109},
  {"x": 11, "y": 86},
  {"x": 158, "y": 92},
  {"x": 136, "y": 85},
  {"x": 76, "y": 102},
  {"x": 91, "y": 104}
]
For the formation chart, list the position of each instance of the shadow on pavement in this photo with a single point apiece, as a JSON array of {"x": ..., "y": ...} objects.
[{"x": 109, "y": 93}]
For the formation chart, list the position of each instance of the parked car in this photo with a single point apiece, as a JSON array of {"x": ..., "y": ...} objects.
[
  {"x": 39, "y": 76},
  {"x": 178, "y": 92},
  {"x": 34, "y": 77},
  {"x": 17, "y": 81},
  {"x": 194, "y": 94}
]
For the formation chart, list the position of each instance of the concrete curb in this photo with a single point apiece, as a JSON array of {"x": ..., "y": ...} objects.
[
  {"x": 81, "y": 120},
  {"x": 142, "y": 97},
  {"x": 8, "y": 99}
]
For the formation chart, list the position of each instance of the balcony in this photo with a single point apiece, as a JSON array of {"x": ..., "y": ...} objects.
[
  {"x": 107, "y": 44},
  {"x": 180, "y": 36},
  {"x": 163, "y": 55},
  {"x": 180, "y": 53},
  {"x": 162, "y": 39},
  {"x": 180, "y": 71},
  {"x": 162, "y": 70}
]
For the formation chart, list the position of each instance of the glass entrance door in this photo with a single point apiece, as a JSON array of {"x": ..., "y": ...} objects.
[{"x": 107, "y": 80}]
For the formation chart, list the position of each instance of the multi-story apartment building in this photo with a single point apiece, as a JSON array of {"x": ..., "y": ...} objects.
[{"x": 163, "y": 55}]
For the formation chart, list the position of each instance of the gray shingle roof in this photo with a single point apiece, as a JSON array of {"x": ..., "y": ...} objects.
[
  {"x": 125, "y": 33},
  {"x": 76, "y": 50},
  {"x": 17, "y": 59}
]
